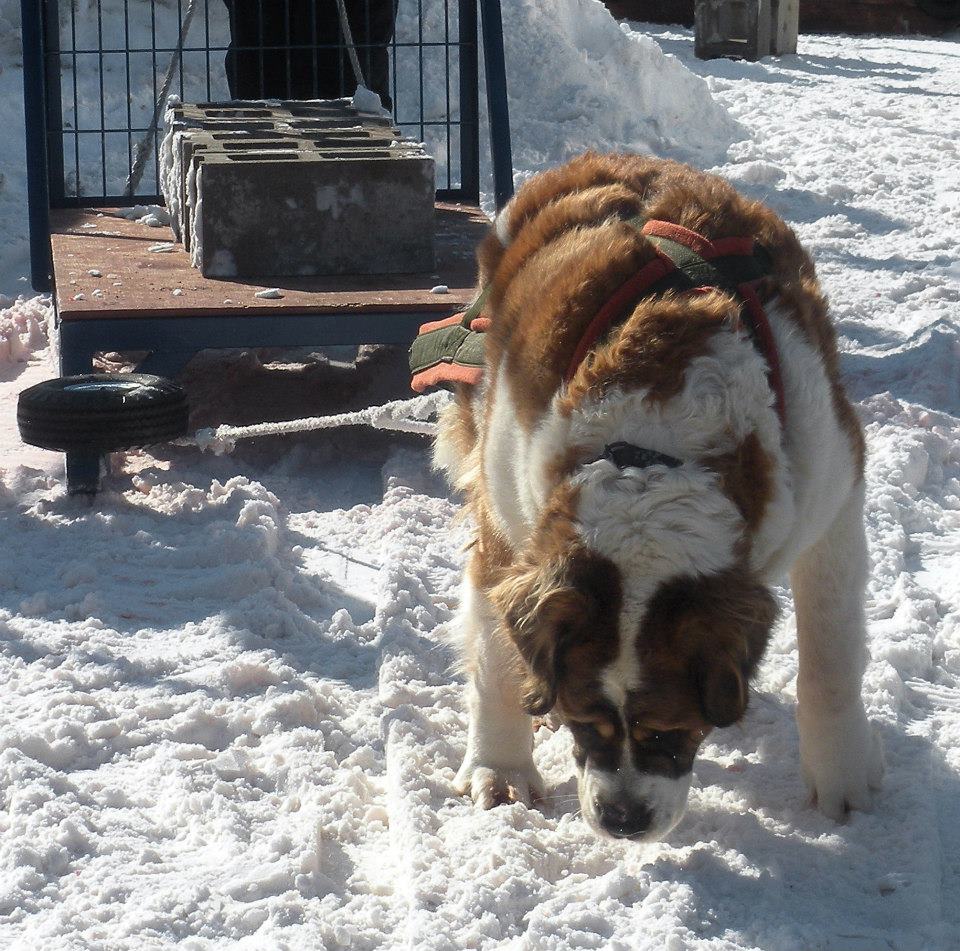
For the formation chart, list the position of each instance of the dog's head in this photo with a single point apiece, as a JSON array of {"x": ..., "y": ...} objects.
[{"x": 640, "y": 623}]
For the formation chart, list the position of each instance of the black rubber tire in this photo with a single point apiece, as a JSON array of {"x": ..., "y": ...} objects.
[
  {"x": 102, "y": 411},
  {"x": 941, "y": 9}
]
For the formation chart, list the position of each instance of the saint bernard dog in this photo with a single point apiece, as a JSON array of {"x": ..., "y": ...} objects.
[{"x": 636, "y": 485}]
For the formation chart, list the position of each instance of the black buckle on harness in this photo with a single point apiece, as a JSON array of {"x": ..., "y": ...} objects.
[{"x": 625, "y": 454}]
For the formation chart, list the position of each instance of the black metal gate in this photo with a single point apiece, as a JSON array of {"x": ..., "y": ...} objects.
[{"x": 105, "y": 60}]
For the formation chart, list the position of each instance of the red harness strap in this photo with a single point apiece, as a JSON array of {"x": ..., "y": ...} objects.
[{"x": 631, "y": 290}]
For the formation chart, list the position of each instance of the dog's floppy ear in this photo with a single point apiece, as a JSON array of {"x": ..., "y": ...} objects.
[
  {"x": 562, "y": 616},
  {"x": 726, "y": 630},
  {"x": 722, "y": 687},
  {"x": 541, "y": 614}
]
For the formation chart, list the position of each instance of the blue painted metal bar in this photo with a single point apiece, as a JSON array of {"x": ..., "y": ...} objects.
[
  {"x": 90, "y": 335},
  {"x": 497, "y": 109},
  {"x": 446, "y": 84},
  {"x": 153, "y": 72},
  {"x": 420, "y": 59},
  {"x": 54, "y": 100},
  {"x": 76, "y": 358},
  {"x": 74, "y": 76},
  {"x": 128, "y": 201},
  {"x": 34, "y": 104},
  {"x": 469, "y": 102},
  {"x": 126, "y": 65},
  {"x": 206, "y": 43},
  {"x": 168, "y": 363},
  {"x": 103, "y": 100},
  {"x": 84, "y": 467}
]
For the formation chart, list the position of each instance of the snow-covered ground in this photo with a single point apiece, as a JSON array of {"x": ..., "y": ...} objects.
[{"x": 228, "y": 718}]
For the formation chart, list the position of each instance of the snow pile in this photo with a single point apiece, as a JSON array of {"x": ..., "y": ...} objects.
[
  {"x": 155, "y": 216},
  {"x": 578, "y": 80},
  {"x": 226, "y": 717},
  {"x": 367, "y": 101},
  {"x": 23, "y": 327}
]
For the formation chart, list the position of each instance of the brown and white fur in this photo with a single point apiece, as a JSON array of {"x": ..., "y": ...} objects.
[{"x": 635, "y": 603}]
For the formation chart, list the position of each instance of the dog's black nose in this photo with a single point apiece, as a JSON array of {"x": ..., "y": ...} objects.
[{"x": 624, "y": 820}]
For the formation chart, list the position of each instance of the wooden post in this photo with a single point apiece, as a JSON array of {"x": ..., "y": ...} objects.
[{"x": 786, "y": 19}]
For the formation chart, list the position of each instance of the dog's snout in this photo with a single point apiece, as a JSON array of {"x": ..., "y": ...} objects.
[{"x": 624, "y": 820}]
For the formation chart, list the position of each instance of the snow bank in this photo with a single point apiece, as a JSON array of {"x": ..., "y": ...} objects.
[
  {"x": 23, "y": 327},
  {"x": 578, "y": 80}
]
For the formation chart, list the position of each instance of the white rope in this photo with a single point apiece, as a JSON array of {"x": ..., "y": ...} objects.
[
  {"x": 405, "y": 416},
  {"x": 348, "y": 41}
]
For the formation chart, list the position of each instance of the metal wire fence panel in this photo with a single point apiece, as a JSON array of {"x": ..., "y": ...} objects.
[{"x": 106, "y": 60}]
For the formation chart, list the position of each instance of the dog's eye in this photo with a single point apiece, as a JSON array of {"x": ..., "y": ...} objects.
[
  {"x": 657, "y": 737},
  {"x": 594, "y": 729}
]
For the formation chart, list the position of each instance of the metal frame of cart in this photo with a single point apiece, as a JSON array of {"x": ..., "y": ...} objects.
[{"x": 78, "y": 155}]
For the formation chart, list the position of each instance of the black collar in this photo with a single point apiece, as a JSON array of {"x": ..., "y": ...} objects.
[{"x": 625, "y": 454}]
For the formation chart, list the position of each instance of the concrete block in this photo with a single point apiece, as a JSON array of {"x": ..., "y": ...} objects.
[
  {"x": 200, "y": 141},
  {"x": 186, "y": 123},
  {"x": 274, "y": 187},
  {"x": 180, "y": 125},
  {"x": 326, "y": 114},
  {"x": 350, "y": 211}
]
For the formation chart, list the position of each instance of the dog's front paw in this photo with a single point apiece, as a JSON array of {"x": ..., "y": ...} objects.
[
  {"x": 490, "y": 786},
  {"x": 842, "y": 760}
]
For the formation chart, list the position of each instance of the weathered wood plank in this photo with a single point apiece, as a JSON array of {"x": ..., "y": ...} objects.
[{"x": 136, "y": 282}]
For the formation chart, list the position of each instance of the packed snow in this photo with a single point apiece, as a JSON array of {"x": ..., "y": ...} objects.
[{"x": 229, "y": 714}]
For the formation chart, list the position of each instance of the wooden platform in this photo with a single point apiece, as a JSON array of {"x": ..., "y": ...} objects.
[{"x": 134, "y": 281}]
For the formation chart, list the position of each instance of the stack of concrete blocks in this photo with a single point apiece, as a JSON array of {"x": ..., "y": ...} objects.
[
  {"x": 259, "y": 189},
  {"x": 745, "y": 29}
]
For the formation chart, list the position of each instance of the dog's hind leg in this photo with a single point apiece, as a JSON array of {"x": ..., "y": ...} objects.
[
  {"x": 498, "y": 765},
  {"x": 840, "y": 753}
]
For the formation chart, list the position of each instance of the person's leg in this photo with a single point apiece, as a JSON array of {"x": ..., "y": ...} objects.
[
  {"x": 373, "y": 23},
  {"x": 328, "y": 74},
  {"x": 232, "y": 63},
  {"x": 294, "y": 49},
  {"x": 257, "y": 59},
  {"x": 319, "y": 68}
]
